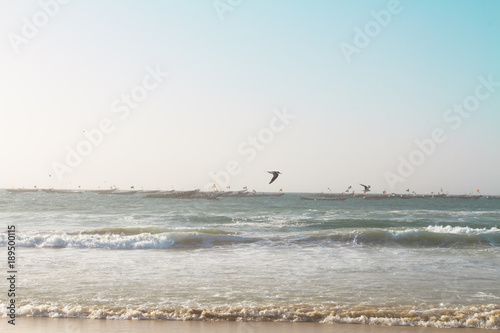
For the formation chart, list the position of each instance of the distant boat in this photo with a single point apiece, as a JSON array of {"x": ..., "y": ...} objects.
[
  {"x": 423, "y": 196},
  {"x": 22, "y": 190},
  {"x": 51, "y": 190},
  {"x": 234, "y": 194},
  {"x": 375, "y": 197},
  {"x": 103, "y": 191},
  {"x": 194, "y": 194},
  {"x": 246, "y": 194},
  {"x": 492, "y": 197},
  {"x": 464, "y": 196},
  {"x": 323, "y": 199},
  {"x": 336, "y": 195},
  {"x": 257, "y": 195},
  {"x": 122, "y": 192},
  {"x": 456, "y": 196}
]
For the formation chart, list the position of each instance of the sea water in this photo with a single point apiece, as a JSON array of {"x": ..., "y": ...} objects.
[{"x": 427, "y": 262}]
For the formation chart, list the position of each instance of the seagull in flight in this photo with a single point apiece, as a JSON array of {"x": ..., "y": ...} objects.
[
  {"x": 367, "y": 188},
  {"x": 275, "y": 175}
]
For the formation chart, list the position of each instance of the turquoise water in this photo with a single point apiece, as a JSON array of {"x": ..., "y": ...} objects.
[{"x": 429, "y": 262}]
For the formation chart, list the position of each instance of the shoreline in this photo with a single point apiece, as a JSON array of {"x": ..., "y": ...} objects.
[{"x": 75, "y": 325}]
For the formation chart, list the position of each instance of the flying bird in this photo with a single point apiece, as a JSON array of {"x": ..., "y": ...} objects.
[
  {"x": 367, "y": 188},
  {"x": 275, "y": 175}
]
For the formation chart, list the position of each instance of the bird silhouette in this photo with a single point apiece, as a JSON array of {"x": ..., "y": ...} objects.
[
  {"x": 275, "y": 175},
  {"x": 367, "y": 188}
]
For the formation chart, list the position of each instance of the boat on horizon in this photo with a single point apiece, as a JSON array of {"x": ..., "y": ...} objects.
[
  {"x": 233, "y": 194},
  {"x": 323, "y": 199},
  {"x": 52, "y": 190},
  {"x": 464, "y": 196},
  {"x": 22, "y": 190},
  {"x": 339, "y": 195},
  {"x": 375, "y": 197},
  {"x": 194, "y": 194},
  {"x": 261, "y": 194},
  {"x": 118, "y": 192},
  {"x": 102, "y": 191}
]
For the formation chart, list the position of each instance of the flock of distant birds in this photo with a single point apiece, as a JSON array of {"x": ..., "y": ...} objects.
[
  {"x": 170, "y": 194},
  {"x": 197, "y": 194},
  {"x": 365, "y": 196},
  {"x": 349, "y": 193},
  {"x": 245, "y": 193}
]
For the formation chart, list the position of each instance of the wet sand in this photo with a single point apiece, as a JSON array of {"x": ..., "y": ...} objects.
[{"x": 65, "y": 325}]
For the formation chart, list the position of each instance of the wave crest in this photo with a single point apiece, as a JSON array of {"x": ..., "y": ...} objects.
[
  {"x": 131, "y": 239},
  {"x": 432, "y": 236},
  {"x": 158, "y": 238},
  {"x": 481, "y": 316}
]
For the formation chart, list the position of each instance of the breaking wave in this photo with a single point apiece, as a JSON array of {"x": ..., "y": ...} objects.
[
  {"x": 158, "y": 238},
  {"x": 480, "y": 316}
]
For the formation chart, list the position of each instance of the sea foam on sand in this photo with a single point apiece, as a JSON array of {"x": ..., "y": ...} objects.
[{"x": 65, "y": 325}]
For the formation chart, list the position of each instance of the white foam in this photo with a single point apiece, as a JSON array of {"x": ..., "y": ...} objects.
[
  {"x": 122, "y": 242},
  {"x": 461, "y": 230},
  {"x": 485, "y": 316}
]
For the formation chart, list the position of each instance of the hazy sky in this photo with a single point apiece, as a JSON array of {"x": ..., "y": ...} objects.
[{"x": 160, "y": 94}]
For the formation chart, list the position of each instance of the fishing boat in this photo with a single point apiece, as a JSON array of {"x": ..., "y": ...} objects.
[
  {"x": 122, "y": 192},
  {"x": 174, "y": 194},
  {"x": 335, "y": 195},
  {"x": 262, "y": 194},
  {"x": 423, "y": 196},
  {"x": 103, "y": 191},
  {"x": 323, "y": 199},
  {"x": 51, "y": 190},
  {"x": 234, "y": 194},
  {"x": 464, "y": 196},
  {"x": 374, "y": 196},
  {"x": 22, "y": 190}
]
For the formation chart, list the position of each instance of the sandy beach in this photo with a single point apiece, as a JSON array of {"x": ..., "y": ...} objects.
[{"x": 67, "y": 325}]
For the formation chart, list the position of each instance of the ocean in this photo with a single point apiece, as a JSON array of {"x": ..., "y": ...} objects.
[{"x": 431, "y": 262}]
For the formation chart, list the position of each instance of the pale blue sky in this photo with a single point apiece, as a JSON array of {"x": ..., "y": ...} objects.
[{"x": 353, "y": 120}]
